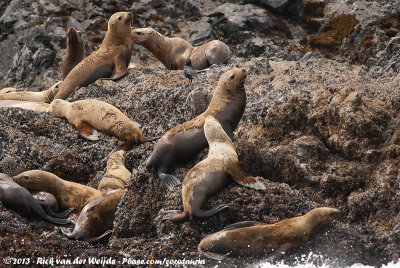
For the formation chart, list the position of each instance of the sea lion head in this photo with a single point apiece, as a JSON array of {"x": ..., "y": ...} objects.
[
  {"x": 120, "y": 25},
  {"x": 53, "y": 90},
  {"x": 214, "y": 132},
  {"x": 59, "y": 107},
  {"x": 141, "y": 36},
  {"x": 233, "y": 80},
  {"x": 73, "y": 36},
  {"x": 324, "y": 215},
  {"x": 8, "y": 90},
  {"x": 33, "y": 179},
  {"x": 117, "y": 158}
]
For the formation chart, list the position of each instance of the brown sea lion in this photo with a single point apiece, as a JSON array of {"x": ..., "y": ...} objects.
[
  {"x": 116, "y": 176},
  {"x": 75, "y": 51},
  {"x": 19, "y": 199},
  {"x": 181, "y": 143},
  {"x": 45, "y": 96},
  {"x": 26, "y": 105},
  {"x": 96, "y": 219},
  {"x": 173, "y": 52},
  {"x": 250, "y": 238},
  {"x": 110, "y": 60},
  {"x": 68, "y": 194},
  {"x": 209, "y": 176},
  {"x": 91, "y": 115}
]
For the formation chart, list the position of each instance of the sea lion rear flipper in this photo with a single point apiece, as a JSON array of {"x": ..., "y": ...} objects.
[
  {"x": 242, "y": 224},
  {"x": 87, "y": 131},
  {"x": 67, "y": 233},
  {"x": 169, "y": 180},
  {"x": 62, "y": 214},
  {"x": 212, "y": 211},
  {"x": 97, "y": 238}
]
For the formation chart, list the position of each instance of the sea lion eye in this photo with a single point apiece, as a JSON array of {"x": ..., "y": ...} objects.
[
  {"x": 26, "y": 177},
  {"x": 139, "y": 33},
  {"x": 120, "y": 18},
  {"x": 232, "y": 76}
]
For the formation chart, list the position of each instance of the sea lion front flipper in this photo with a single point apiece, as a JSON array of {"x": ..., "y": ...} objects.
[
  {"x": 213, "y": 256},
  {"x": 242, "y": 224},
  {"x": 120, "y": 68},
  {"x": 252, "y": 182},
  {"x": 212, "y": 211},
  {"x": 169, "y": 180},
  {"x": 97, "y": 238},
  {"x": 278, "y": 252},
  {"x": 174, "y": 215},
  {"x": 87, "y": 131}
]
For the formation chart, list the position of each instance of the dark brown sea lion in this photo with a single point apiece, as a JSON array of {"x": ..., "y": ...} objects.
[
  {"x": 173, "y": 52},
  {"x": 19, "y": 199},
  {"x": 75, "y": 51},
  {"x": 250, "y": 238},
  {"x": 181, "y": 143},
  {"x": 96, "y": 219},
  {"x": 110, "y": 60},
  {"x": 209, "y": 176},
  {"x": 89, "y": 115}
]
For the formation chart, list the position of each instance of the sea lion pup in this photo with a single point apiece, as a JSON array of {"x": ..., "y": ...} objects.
[
  {"x": 181, "y": 143},
  {"x": 173, "y": 52},
  {"x": 96, "y": 219},
  {"x": 91, "y": 115},
  {"x": 116, "y": 176},
  {"x": 8, "y": 90},
  {"x": 19, "y": 199},
  {"x": 45, "y": 96},
  {"x": 110, "y": 60},
  {"x": 75, "y": 51},
  {"x": 68, "y": 194},
  {"x": 49, "y": 204},
  {"x": 250, "y": 238},
  {"x": 26, "y": 105},
  {"x": 210, "y": 175}
]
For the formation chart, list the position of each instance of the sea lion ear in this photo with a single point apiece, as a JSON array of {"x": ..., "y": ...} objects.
[{"x": 120, "y": 18}]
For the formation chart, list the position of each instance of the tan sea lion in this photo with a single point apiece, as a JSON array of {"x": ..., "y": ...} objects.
[
  {"x": 91, "y": 115},
  {"x": 75, "y": 51},
  {"x": 173, "y": 52},
  {"x": 43, "y": 96},
  {"x": 116, "y": 176},
  {"x": 110, "y": 60},
  {"x": 250, "y": 238},
  {"x": 8, "y": 90},
  {"x": 19, "y": 199},
  {"x": 96, "y": 219},
  {"x": 68, "y": 194},
  {"x": 181, "y": 143},
  {"x": 27, "y": 105},
  {"x": 209, "y": 176}
]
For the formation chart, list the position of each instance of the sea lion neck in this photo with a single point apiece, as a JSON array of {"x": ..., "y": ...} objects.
[{"x": 158, "y": 47}]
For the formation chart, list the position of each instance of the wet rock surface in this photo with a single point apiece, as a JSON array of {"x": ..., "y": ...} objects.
[{"x": 320, "y": 125}]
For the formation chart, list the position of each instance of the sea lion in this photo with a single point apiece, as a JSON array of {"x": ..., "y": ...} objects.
[
  {"x": 91, "y": 115},
  {"x": 116, "y": 176},
  {"x": 250, "y": 238},
  {"x": 46, "y": 200},
  {"x": 68, "y": 194},
  {"x": 110, "y": 60},
  {"x": 45, "y": 96},
  {"x": 75, "y": 51},
  {"x": 96, "y": 219},
  {"x": 173, "y": 52},
  {"x": 8, "y": 90},
  {"x": 26, "y": 105},
  {"x": 19, "y": 199},
  {"x": 211, "y": 175},
  {"x": 181, "y": 143}
]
